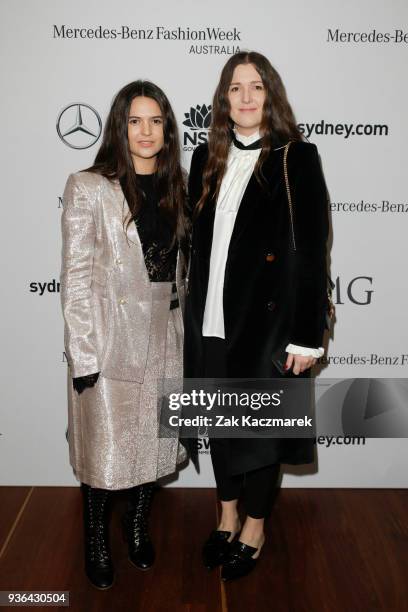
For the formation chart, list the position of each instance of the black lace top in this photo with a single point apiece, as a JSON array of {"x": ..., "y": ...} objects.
[{"x": 155, "y": 235}]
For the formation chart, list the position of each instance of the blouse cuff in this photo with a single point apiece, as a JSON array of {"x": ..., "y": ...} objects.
[{"x": 305, "y": 351}]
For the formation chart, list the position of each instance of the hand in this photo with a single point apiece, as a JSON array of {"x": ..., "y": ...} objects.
[
  {"x": 82, "y": 382},
  {"x": 299, "y": 363}
]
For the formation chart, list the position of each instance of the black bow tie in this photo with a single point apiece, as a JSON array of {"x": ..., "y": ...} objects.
[{"x": 240, "y": 145}]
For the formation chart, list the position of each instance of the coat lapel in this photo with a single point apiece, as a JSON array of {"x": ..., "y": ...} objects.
[
  {"x": 123, "y": 208},
  {"x": 205, "y": 228},
  {"x": 249, "y": 204},
  {"x": 255, "y": 196},
  {"x": 247, "y": 208},
  {"x": 135, "y": 250},
  {"x": 130, "y": 246}
]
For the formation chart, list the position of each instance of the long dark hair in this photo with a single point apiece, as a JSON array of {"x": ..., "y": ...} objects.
[
  {"x": 114, "y": 160},
  {"x": 278, "y": 121}
]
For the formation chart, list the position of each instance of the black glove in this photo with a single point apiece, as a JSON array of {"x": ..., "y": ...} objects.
[{"x": 81, "y": 382}]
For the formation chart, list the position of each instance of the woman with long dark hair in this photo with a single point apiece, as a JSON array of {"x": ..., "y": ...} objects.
[
  {"x": 122, "y": 282},
  {"x": 257, "y": 283}
]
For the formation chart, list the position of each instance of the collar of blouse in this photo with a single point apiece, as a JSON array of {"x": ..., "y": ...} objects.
[{"x": 246, "y": 144}]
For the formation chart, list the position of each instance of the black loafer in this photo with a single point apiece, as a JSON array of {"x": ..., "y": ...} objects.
[
  {"x": 216, "y": 548},
  {"x": 239, "y": 561}
]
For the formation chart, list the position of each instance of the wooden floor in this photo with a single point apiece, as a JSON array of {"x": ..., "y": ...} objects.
[{"x": 331, "y": 550}]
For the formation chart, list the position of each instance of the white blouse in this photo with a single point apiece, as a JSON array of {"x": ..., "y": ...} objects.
[{"x": 240, "y": 166}]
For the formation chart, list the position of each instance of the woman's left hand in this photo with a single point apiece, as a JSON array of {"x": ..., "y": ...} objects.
[{"x": 299, "y": 363}]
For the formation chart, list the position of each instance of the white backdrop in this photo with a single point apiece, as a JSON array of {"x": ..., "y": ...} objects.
[{"x": 343, "y": 63}]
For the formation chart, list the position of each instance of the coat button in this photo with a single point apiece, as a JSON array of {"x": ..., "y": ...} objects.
[
  {"x": 122, "y": 301},
  {"x": 118, "y": 261},
  {"x": 270, "y": 257},
  {"x": 271, "y": 305}
]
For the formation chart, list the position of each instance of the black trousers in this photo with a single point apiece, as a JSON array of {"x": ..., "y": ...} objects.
[{"x": 257, "y": 486}]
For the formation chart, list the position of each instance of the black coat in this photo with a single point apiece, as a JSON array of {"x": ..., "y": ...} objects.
[{"x": 272, "y": 295}]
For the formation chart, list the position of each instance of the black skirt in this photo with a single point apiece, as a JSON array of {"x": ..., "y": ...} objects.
[{"x": 246, "y": 454}]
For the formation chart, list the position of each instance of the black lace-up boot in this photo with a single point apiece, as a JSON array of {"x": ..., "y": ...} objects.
[
  {"x": 98, "y": 562},
  {"x": 135, "y": 526}
]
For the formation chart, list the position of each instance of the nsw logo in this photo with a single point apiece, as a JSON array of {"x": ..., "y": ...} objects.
[{"x": 198, "y": 120}]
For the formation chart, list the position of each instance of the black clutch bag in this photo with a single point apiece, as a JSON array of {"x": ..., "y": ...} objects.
[{"x": 279, "y": 362}]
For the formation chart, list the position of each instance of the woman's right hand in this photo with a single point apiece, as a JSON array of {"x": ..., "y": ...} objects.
[
  {"x": 300, "y": 363},
  {"x": 82, "y": 382}
]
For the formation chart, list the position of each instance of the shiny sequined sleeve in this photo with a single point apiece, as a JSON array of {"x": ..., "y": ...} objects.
[{"x": 78, "y": 240}]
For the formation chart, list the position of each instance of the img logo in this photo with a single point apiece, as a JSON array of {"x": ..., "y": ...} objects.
[
  {"x": 198, "y": 119},
  {"x": 358, "y": 290}
]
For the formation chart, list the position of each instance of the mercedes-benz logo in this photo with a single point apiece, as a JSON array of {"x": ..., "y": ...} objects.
[{"x": 79, "y": 126}]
